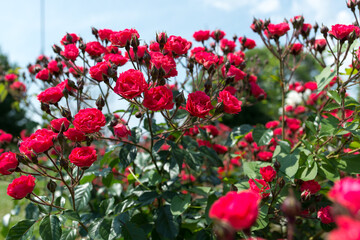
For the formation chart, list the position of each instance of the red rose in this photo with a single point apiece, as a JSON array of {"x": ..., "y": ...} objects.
[
  {"x": 95, "y": 49},
  {"x": 231, "y": 90},
  {"x": 89, "y": 120},
  {"x": 121, "y": 130},
  {"x": 10, "y": 77},
  {"x": 75, "y": 135},
  {"x": 268, "y": 173},
  {"x": 309, "y": 187},
  {"x": 227, "y": 45},
  {"x": 257, "y": 91},
  {"x": 154, "y": 47},
  {"x": 296, "y": 48},
  {"x": 104, "y": 34},
  {"x": 83, "y": 156},
  {"x": 18, "y": 86},
  {"x": 167, "y": 63},
  {"x": 65, "y": 84},
  {"x": 217, "y": 35},
  {"x": 234, "y": 72},
  {"x": 130, "y": 84},
  {"x": 272, "y": 124},
  {"x": 305, "y": 30},
  {"x": 348, "y": 229},
  {"x": 53, "y": 66},
  {"x": 249, "y": 43},
  {"x": 21, "y": 187},
  {"x": 239, "y": 210},
  {"x": 325, "y": 215},
  {"x": 70, "y": 52},
  {"x": 177, "y": 45},
  {"x": 207, "y": 59},
  {"x": 342, "y": 32},
  {"x": 158, "y": 98},
  {"x": 122, "y": 37},
  {"x": 198, "y": 104},
  {"x": 231, "y": 104},
  {"x": 40, "y": 141},
  {"x": 115, "y": 58},
  {"x": 56, "y": 124},
  {"x": 100, "y": 69},
  {"x": 277, "y": 30},
  {"x": 220, "y": 149},
  {"x": 5, "y": 137},
  {"x": 76, "y": 71},
  {"x": 72, "y": 38},
  {"x": 51, "y": 95},
  {"x": 201, "y": 35},
  {"x": 140, "y": 52},
  {"x": 299, "y": 109},
  {"x": 43, "y": 74},
  {"x": 320, "y": 45},
  {"x": 8, "y": 163},
  {"x": 265, "y": 156},
  {"x": 346, "y": 192},
  {"x": 211, "y": 129},
  {"x": 235, "y": 59},
  {"x": 263, "y": 191},
  {"x": 311, "y": 85},
  {"x": 249, "y": 137}
]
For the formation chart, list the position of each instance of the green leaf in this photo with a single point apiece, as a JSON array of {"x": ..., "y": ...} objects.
[
  {"x": 158, "y": 145},
  {"x": 251, "y": 169},
  {"x": 131, "y": 231},
  {"x": 350, "y": 164},
  {"x": 262, "y": 136},
  {"x": 21, "y": 230},
  {"x": 70, "y": 214},
  {"x": 289, "y": 163},
  {"x": 262, "y": 220},
  {"x": 334, "y": 95},
  {"x": 68, "y": 234},
  {"x": 307, "y": 172},
  {"x": 211, "y": 156},
  {"x": 328, "y": 171},
  {"x": 104, "y": 229},
  {"x": 127, "y": 155},
  {"x": 82, "y": 196},
  {"x": 147, "y": 198},
  {"x": 31, "y": 211},
  {"x": 107, "y": 206},
  {"x": 165, "y": 224},
  {"x": 50, "y": 228},
  {"x": 3, "y": 93},
  {"x": 94, "y": 228},
  {"x": 179, "y": 204},
  {"x": 324, "y": 78}
]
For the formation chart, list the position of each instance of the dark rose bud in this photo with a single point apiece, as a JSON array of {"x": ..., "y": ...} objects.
[
  {"x": 235, "y": 37},
  {"x": 162, "y": 82},
  {"x": 266, "y": 23},
  {"x": 71, "y": 84},
  {"x": 233, "y": 188},
  {"x": 162, "y": 73},
  {"x": 100, "y": 102},
  {"x": 94, "y": 31},
  {"x": 82, "y": 46},
  {"x": 56, "y": 49},
  {"x": 114, "y": 122},
  {"x": 291, "y": 207},
  {"x": 64, "y": 163},
  {"x": 45, "y": 107},
  {"x": 277, "y": 165},
  {"x": 316, "y": 27},
  {"x": 190, "y": 66},
  {"x": 146, "y": 58},
  {"x": 66, "y": 113},
  {"x": 65, "y": 92},
  {"x": 219, "y": 108},
  {"x": 180, "y": 99},
  {"x": 324, "y": 30},
  {"x": 230, "y": 80},
  {"x": 154, "y": 73},
  {"x": 352, "y": 37},
  {"x": 281, "y": 182},
  {"x": 134, "y": 42},
  {"x": 51, "y": 186},
  {"x": 138, "y": 115},
  {"x": 21, "y": 159},
  {"x": 69, "y": 38}
]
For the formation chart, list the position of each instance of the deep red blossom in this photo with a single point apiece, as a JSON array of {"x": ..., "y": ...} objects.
[
  {"x": 43, "y": 74},
  {"x": 231, "y": 90},
  {"x": 8, "y": 163},
  {"x": 217, "y": 35},
  {"x": 65, "y": 84},
  {"x": 346, "y": 192},
  {"x": 75, "y": 135},
  {"x": 100, "y": 69},
  {"x": 263, "y": 191},
  {"x": 198, "y": 104},
  {"x": 89, "y": 120},
  {"x": 167, "y": 63},
  {"x": 324, "y": 214},
  {"x": 207, "y": 59},
  {"x": 268, "y": 173},
  {"x": 53, "y": 66},
  {"x": 177, "y": 45},
  {"x": 309, "y": 187},
  {"x": 40, "y": 141},
  {"x": 265, "y": 156},
  {"x": 257, "y": 91},
  {"x": 57, "y": 123},
  {"x": 311, "y": 85},
  {"x": 121, "y": 38},
  {"x": 83, "y": 156},
  {"x": 201, "y": 35},
  {"x": 69, "y": 39},
  {"x": 130, "y": 84},
  {"x": 220, "y": 149},
  {"x": 231, "y": 104},
  {"x": 234, "y": 72},
  {"x": 249, "y": 137},
  {"x": 115, "y": 58},
  {"x": 10, "y": 77},
  {"x": 21, "y": 187},
  {"x": 95, "y": 49},
  {"x": 227, "y": 45},
  {"x": 158, "y": 98},
  {"x": 320, "y": 45},
  {"x": 272, "y": 124},
  {"x": 296, "y": 48},
  {"x": 70, "y": 52},
  {"x": 121, "y": 130},
  {"x": 342, "y": 32},
  {"x": 347, "y": 228},
  {"x": 104, "y": 34},
  {"x": 5, "y": 137},
  {"x": 239, "y": 210},
  {"x": 235, "y": 59},
  {"x": 277, "y": 30},
  {"x": 51, "y": 95},
  {"x": 249, "y": 43}
]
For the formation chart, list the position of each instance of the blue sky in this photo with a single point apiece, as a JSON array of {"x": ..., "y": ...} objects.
[{"x": 20, "y": 19}]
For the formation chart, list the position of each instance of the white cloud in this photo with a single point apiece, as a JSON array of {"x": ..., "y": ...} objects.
[
  {"x": 266, "y": 6},
  {"x": 227, "y": 5},
  {"x": 259, "y": 6}
]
